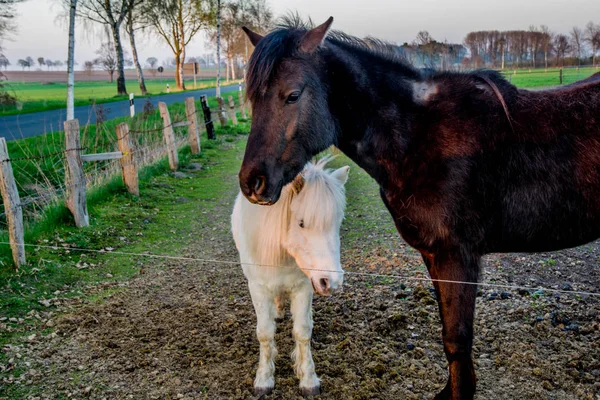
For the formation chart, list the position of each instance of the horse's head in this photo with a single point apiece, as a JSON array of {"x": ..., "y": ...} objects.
[
  {"x": 316, "y": 213},
  {"x": 291, "y": 121}
]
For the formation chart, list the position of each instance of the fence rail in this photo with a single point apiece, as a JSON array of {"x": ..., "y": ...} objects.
[{"x": 129, "y": 158}]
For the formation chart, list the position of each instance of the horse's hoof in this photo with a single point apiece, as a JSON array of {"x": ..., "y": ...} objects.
[
  {"x": 262, "y": 391},
  {"x": 308, "y": 392},
  {"x": 445, "y": 394}
]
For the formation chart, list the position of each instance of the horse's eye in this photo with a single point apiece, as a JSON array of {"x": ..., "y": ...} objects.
[
  {"x": 293, "y": 97},
  {"x": 301, "y": 224}
]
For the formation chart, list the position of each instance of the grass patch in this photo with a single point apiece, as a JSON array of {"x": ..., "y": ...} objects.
[{"x": 526, "y": 78}]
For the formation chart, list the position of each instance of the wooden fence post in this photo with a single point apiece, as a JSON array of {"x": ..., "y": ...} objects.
[
  {"x": 242, "y": 103},
  {"x": 222, "y": 115},
  {"x": 193, "y": 133},
  {"x": 210, "y": 127},
  {"x": 12, "y": 207},
  {"x": 560, "y": 75},
  {"x": 128, "y": 161},
  {"x": 232, "y": 110},
  {"x": 169, "y": 136},
  {"x": 74, "y": 177}
]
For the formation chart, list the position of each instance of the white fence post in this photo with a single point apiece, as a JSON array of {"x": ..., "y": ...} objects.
[{"x": 131, "y": 106}]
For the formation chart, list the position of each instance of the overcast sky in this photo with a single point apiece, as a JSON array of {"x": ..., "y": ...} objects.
[{"x": 41, "y": 34}]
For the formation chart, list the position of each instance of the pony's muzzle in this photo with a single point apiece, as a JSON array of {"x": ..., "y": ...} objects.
[{"x": 325, "y": 285}]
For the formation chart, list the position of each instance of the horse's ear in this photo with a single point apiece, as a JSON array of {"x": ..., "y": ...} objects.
[
  {"x": 341, "y": 174},
  {"x": 313, "y": 38},
  {"x": 298, "y": 183},
  {"x": 253, "y": 36}
]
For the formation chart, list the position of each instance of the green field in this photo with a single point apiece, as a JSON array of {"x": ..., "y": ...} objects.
[
  {"x": 526, "y": 78},
  {"x": 41, "y": 96}
]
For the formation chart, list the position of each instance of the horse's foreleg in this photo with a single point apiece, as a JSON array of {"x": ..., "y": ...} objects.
[
  {"x": 301, "y": 307},
  {"x": 264, "y": 305},
  {"x": 457, "y": 308}
]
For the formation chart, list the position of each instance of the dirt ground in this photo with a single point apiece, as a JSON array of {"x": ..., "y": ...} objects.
[{"x": 185, "y": 330}]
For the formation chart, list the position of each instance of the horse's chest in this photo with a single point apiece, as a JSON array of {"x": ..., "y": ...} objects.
[
  {"x": 284, "y": 278},
  {"x": 421, "y": 219}
]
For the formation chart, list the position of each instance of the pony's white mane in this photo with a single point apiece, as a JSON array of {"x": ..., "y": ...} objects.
[{"x": 321, "y": 203}]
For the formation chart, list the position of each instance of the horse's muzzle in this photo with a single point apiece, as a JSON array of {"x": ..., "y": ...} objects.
[{"x": 258, "y": 189}]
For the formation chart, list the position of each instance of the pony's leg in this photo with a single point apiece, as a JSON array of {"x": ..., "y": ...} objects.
[
  {"x": 264, "y": 305},
  {"x": 279, "y": 307},
  {"x": 301, "y": 307},
  {"x": 457, "y": 308}
]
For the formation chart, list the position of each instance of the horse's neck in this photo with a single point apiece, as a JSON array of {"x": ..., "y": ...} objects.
[{"x": 371, "y": 100}]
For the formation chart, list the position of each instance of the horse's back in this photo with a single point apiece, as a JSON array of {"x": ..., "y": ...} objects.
[{"x": 547, "y": 174}]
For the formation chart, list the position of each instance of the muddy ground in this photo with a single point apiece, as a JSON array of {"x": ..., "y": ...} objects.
[{"x": 185, "y": 330}]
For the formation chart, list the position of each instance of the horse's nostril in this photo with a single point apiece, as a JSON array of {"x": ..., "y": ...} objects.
[
  {"x": 324, "y": 282},
  {"x": 260, "y": 184}
]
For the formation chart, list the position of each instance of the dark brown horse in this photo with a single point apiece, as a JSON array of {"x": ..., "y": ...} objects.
[{"x": 467, "y": 163}]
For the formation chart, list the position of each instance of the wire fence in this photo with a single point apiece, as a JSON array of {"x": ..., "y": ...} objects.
[
  {"x": 403, "y": 278},
  {"x": 140, "y": 132},
  {"x": 136, "y": 148}
]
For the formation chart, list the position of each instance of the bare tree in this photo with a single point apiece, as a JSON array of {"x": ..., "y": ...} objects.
[
  {"x": 576, "y": 42},
  {"x": 7, "y": 14},
  {"x": 107, "y": 59},
  {"x": 232, "y": 19},
  {"x": 592, "y": 37},
  {"x": 88, "y": 67},
  {"x": 546, "y": 42},
  {"x": 22, "y": 63},
  {"x": 176, "y": 22},
  {"x": 502, "y": 44},
  {"x": 561, "y": 46},
  {"x": 131, "y": 25},
  {"x": 4, "y": 62},
  {"x": 71, "y": 62},
  {"x": 111, "y": 14}
]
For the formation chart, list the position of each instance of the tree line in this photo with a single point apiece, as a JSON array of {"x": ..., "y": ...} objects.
[{"x": 535, "y": 47}]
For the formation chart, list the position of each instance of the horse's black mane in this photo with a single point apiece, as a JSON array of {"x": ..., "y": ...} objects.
[{"x": 283, "y": 42}]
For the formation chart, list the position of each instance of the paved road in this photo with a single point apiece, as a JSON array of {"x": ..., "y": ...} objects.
[{"x": 40, "y": 123}]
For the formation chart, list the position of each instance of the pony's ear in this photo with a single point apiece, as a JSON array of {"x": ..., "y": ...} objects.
[
  {"x": 341, "y": 174},
  {"x": 313, "y": 38},
  {"x": 298, "y": 183},
  {"x": 253, "y": 36}
]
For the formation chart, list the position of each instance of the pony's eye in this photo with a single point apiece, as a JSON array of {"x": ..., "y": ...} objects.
[
  {"x": 293, "y": 97},
  {"x": 301, "y": 224}
]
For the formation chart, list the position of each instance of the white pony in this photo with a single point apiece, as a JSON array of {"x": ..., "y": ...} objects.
[{"x": 287, "y": 250}]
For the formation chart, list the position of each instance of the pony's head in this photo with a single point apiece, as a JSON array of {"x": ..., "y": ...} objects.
[
  {"x": 316, "y": 210},
  {"x": 291, "y": 121}
]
